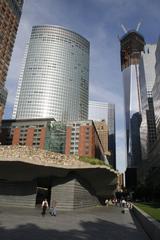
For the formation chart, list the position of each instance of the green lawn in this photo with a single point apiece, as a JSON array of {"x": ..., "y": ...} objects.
[{"x": 152, "y": 209}]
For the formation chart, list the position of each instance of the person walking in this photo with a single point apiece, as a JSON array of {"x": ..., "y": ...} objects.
[
  {"x": 44, "y": 207},
  {"x": 123, "y": 203},
  {"x": 53, "y": 210},
  {"x": 107, "y": 202}
]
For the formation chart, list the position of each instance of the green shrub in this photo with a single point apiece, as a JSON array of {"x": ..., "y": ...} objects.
[{"x": 94, "y": 161}]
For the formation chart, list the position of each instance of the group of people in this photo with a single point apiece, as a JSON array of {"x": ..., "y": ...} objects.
[
  {"x": 118, "y": 202},
  {"x": 45, "y": 206}
]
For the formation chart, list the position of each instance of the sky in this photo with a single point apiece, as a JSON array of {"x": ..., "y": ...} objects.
[{"x": 100, "y": 22}]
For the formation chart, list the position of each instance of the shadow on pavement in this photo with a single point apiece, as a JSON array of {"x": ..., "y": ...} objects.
[{"x": 98, "y": 230}]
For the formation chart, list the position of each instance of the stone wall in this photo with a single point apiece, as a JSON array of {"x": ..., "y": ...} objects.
[
  {"x": 72, "y": 195},
  {"x": 18, "y": 194}
]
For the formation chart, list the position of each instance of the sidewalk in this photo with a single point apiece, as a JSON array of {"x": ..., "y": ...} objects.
[{"x": 99, "y": 223}]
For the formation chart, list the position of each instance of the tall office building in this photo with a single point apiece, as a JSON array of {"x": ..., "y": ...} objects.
[
  {"x": 19, "y": 83},
  {"x": 99, "y": 111},
  {"x": 146, "y": 82},
  {"x": 10, "y": 12},
  {"x": 150, "y": 169},
  {"x": 156, "y": 90},
  {"x": 55, "y": 76},
  {"x": 132, "y": 43}
]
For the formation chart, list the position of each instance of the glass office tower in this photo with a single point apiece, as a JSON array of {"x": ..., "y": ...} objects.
[
  {"x": 55, "y": 76},
  {"x": 99, "y": 111},
  {"x": 10, "y": 13},
  {"x": 132, "y": 43},
  {"x": 156, "y": 90},
  {"x": 147, "y": 79}
]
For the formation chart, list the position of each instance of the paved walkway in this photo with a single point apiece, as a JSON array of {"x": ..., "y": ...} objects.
[{"x": 99, "y": 223}]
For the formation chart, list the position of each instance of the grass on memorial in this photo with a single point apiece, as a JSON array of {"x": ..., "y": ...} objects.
[{"x": 152, "y": 209}]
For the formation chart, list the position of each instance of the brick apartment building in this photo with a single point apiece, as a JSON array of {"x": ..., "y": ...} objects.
[
  {"x": 30, "y": 132},
  {"x": 79, "y": 137},
  {"x": 82, "y": 139},
  {"x": 10, "y": 12}
]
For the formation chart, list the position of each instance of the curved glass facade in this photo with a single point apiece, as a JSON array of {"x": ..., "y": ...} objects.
[{"x": 56, "y": 76}]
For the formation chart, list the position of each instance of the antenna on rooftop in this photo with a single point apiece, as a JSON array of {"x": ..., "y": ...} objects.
[
  {"x": 138, "y": 26},
  {"x": 124, "y": 29}
]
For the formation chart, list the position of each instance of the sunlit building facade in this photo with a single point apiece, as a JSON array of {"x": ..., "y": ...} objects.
[
  {"x": 147, "y": 80},
  {"x": 82, "y": 139},
  {"x": 156, "y": 90},
  {"x": 55, "y": 76},
  {"x": 102, "y": 110},
  {"x": 102, "y": 129},
  {"x": 19, "y": 84},
  {"x": 10, "y": 13}
]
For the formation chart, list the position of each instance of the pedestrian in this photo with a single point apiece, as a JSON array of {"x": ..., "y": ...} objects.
[
  {"x": 123, "y": 203},
  {"x": 116, "y": 202},
  {"x": 53, "y": 210},
  {"x": 44, "y": 207},
  {"x": 107, "y": 202}
]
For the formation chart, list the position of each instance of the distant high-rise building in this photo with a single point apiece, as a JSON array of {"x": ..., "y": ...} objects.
[
  {"x": 99, "y": 111},
  {"x": 146, "y": 82},
  {"x": 103, "y": 132},
  {"x": 149, "y": 170},
  {"x": 19, "y": 83},
  {"x": 156, "y": 90},
  {"x": 10, "y": 12},
  {"x": 55, "y": 76}
]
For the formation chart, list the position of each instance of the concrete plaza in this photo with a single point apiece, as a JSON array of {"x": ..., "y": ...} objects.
[{"x": 90, "y": 224}]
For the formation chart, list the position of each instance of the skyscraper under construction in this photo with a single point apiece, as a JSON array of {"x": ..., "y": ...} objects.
[{"x": 132, "y": 44}]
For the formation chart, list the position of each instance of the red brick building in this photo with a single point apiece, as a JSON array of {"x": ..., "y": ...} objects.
[
  {"x": 10, "y": 13},
  {"x": 79, "y": 138},
  {"x": 82, "y": 139},
  {"x": 30, "y": 132}
]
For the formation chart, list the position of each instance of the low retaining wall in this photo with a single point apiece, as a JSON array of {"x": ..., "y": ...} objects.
[
  {"x": 18, "y": 194},
  {"x": 150, "y": 226}
]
